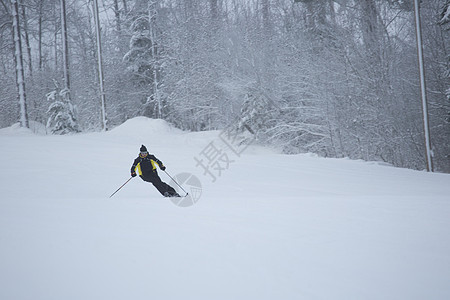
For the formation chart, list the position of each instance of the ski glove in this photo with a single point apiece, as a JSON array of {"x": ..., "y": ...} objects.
[
  {"x": 133, "y": 174},
  {"x": 162, "y": 168}
]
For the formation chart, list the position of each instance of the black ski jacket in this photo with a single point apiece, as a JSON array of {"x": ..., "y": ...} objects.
[{"x": 146, "y": 165}]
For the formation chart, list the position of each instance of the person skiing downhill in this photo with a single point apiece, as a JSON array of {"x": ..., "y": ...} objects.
[{"x": 145, "y": 164}]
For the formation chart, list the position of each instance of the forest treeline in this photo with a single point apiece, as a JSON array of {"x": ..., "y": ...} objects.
[{"x": 338, "y": 78}]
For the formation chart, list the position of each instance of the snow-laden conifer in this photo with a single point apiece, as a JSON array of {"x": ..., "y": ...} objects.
[{"x": 61, "y": 112}]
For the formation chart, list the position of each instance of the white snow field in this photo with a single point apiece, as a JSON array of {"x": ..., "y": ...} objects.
[{"x": 270, "y": 226}]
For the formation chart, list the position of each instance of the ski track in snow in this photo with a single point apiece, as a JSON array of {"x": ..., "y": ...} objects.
[{"x": 272, "y": 226}]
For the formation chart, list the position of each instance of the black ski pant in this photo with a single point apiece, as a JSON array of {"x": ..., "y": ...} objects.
[{"x": 165, "y": 189}]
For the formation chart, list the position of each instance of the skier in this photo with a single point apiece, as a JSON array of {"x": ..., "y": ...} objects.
[{"x": 146, "y": 166}]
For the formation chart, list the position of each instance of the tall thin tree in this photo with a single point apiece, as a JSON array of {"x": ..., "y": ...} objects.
[
  {"x": 153, "y": 15},
  {"x": 40, "y": 28},
  {"x": 100, "y": 66},
  {"x": 27, "y": 38},
  {"x": 428, "y": 152},
  {"x": 65, "y": 48},
  {"x": 18, "y": 57}
]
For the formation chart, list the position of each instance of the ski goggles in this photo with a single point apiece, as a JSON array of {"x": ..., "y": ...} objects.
[{"x": 143, "y": 154}]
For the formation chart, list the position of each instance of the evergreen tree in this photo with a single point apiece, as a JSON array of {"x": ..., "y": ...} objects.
[
  {"x": 61, "y": 112},
  {"x": 139, "y": 55},
  {"x": 142, "y": 57}
]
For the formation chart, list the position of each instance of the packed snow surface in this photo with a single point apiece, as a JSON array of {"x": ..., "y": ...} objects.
[{"x": 268, "y": 226}]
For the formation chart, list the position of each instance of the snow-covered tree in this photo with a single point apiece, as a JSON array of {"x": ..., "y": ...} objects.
[
  {"x": 445, "y": 21},
  {"x": 258, "y": 115},
  {"x": 145, "y": 56},
  {"x": 140, "y": 54},
  {"x": 342, "y": 73},
  {"x": 445, "y": 13},
  {"x": 62, "y": 119}
]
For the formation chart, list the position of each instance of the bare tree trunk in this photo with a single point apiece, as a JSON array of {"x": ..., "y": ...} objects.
[
  {"x": 426, "y": 124},
  {"x": 18, "y": 57},
  {"x": 100, "y": 67},
  {"x": 41, "y": 4},
  {"x": 117, "y": 15},
  {"x": 55, "y": 38},
  {"x": 65, "y": 48},
  {"x": 153, "y": 13},
  {"x": 371, "y": 32},
  {"x": 27, "y": 39},
  {"x": 120, "y": 48}
]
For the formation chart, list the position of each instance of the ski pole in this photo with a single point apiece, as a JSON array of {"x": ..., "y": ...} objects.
[
  {"x": 121, "y": 187},
  {"x": 176, "y": 183}
]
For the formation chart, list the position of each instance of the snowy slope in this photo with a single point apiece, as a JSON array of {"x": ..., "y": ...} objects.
[{"x": 271, "y": 226}]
